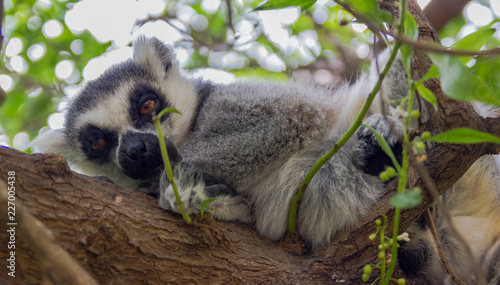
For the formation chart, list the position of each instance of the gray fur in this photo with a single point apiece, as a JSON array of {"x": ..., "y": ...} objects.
[{"x": 255, "y": 142}]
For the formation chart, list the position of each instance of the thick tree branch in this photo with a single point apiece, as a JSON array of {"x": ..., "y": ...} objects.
[
  {"x": 57, "y": 265},
  {"x": 122, "y": 236}
]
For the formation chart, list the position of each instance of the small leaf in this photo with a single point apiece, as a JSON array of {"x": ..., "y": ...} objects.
[
  {"x": 475, "y": 40},
  {"x": 385, "y": 147},
  {"x": 433, "y": 72},
  {"x": 458, "y": 82},
  {"x": 168, "y": 110},
  {"x": 426, "y": 94},
  {"x": 280, "y": 4},
  {"x": 411, "y": 31},
  {"x": 306, "y": 5},
  {"x": 407, "y": 200},
  {"x": 464, "y": 135},
  {"x": 207, "y": 202},
  {"x": 370, "y": 9},
  {"x": 411, "y": 27}
]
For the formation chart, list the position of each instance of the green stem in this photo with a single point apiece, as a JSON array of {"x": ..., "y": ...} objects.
[
  {"x": 382, "y": 242},
  {"x": 403, "y": 178},
  {"x": 292, "y": 213},
  {"x": 166, "y": 161}
]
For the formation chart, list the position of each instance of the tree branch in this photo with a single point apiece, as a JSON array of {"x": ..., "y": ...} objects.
[
  {"x": 58, "y": 267},
  {"x": 122, "y": 236}
]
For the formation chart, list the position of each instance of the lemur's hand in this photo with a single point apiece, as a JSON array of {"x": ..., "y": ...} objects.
[
  {"x": 195, "y": 187},
  {"x": 369, "y": 155}
]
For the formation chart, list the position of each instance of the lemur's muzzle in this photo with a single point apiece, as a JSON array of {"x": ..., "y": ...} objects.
[{"x": 139, "y": 155}]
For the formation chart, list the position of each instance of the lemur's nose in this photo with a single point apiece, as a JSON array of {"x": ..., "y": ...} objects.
[{"x": 140, "y": 157}]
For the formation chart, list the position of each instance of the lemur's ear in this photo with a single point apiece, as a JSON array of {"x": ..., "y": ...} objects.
[
  {"x": 51, "y": 141},
  {"x": 152, "y": 54}
]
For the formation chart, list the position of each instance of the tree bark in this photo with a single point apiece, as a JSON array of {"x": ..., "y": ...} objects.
[{"x": 121, "y": 236}]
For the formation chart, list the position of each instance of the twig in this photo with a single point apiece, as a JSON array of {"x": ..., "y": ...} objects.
[
  {"x": 192, "y": 38},
  {"x": 57, "y": 265},
  {"x": 416, "y": 44},
  {"x": 440, "y": 49},
  {"x": 230, "y": 16},
  {"x": 442, "y": 254}
]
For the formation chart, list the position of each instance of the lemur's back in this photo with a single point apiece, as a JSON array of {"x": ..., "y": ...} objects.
[{"x": 244, "y": 127}]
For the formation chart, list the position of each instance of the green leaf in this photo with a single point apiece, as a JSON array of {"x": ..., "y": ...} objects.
[
  {"x": 369, "y": 9},
  {"x": 407, "y": 200},
  {"x": 470, "y": 42},
  {"x": 204, "y": 206},
  {"x": 487, "y": 69},
  {"x": 458, "y": 82},
  {"x": 475, "y": 40},
  {"x": 207, "y": 202},
  {"x": 426, "y": 94},
  {"x": 411, "y": 27},
  {"x": 433, "y": 72},
  {"x": 280, "y": 4},
  {"x": 465, "y": 135},
  {"x": 385, "y": 147},
  {"x": 411, "y": 31},
  {"x": 168, "y": 110}
]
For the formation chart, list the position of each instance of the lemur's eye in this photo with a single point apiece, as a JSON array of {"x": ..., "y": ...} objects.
[
  {"x": 98, "y": 144},
  {"x": 147, "y": 107}
]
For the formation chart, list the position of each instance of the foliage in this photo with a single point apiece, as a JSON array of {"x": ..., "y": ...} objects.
[{"x": 36, "y": 91}]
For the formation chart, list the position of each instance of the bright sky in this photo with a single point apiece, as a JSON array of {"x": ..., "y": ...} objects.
[{"x": 110, "y": 24}]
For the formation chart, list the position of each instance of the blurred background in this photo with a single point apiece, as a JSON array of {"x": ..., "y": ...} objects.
[{"x": 50, "y": 46}]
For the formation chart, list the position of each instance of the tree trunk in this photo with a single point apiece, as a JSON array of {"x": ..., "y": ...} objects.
[{"x": 121, "y": 236}]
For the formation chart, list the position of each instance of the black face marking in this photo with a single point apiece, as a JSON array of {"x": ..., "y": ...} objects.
[
  {"x": 141, "y": 100},
  {"x": 105, "y": 139}
]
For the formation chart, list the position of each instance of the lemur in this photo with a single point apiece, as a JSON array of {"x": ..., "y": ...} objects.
[{"x": 250, "y": 144}]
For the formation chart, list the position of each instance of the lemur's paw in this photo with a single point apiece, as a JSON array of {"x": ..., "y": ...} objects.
[
  {"x": 189, "y": 199},
  {"x": 368, "y": 153},
  {"x": 390, "y": 128},
  {"x": 190, "y": 187},
  {"x": 194, "y": 188}
]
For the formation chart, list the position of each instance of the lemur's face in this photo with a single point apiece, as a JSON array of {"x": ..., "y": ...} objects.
[{"x": 109, "y": 129}]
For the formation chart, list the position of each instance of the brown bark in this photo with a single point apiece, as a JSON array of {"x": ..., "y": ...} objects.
[{"x": 121, "y": 236}]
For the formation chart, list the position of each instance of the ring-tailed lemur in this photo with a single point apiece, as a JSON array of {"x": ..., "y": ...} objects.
[{"x": 249, "y": 144}]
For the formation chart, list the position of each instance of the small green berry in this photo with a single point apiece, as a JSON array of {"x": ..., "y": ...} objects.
[
  {"x": 367, "y": 269},
  {"x": 384, "y": 176},
  {"x": 380, "y": 246},
  {"x": 378, "y": 222},
  {"x": 381, "y": 255},
  {"x": 425, "y": 135},
  {"x": 401, "y": 281},
  {"x": 391, "y": 171},
  {"x": 419, "y": 145},
  {"x": 372, "y": 236},
  {"x": 387, "y": 245},
  {"x": 365, "y": 277},
  {"x": 415, "y": 114}
]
